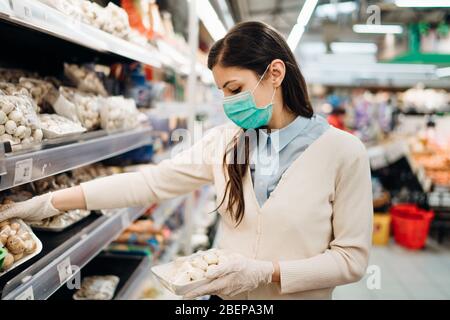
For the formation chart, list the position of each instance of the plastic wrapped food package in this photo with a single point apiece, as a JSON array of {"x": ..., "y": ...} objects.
[
  {"x": 78, "y": 107},
  {"x": 39, "y": 89},
  {"x": 19, "y": 123},
  {"x": 84, "y": 79},
  {"x": 55, "y": 126},
  {"x": 14, "y": 75},
  {"x": 61, "y": 221},
  {"x": 194, "y": 267},
  {"x": 118, "y": 113},
  {"x": 18, "y": 242},
  {"x": 97, "y": 288},
  {"x": 68, "y": 7}
]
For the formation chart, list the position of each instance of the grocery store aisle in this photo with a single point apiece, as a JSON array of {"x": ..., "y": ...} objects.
[{"x": 405, "y": 274}]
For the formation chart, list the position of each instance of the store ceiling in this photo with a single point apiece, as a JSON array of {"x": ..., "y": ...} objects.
[
  {"x": 282, "y": 14},
  {"x": 328, "y": 25}
]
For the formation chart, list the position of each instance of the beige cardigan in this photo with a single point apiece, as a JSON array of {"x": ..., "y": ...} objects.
[{"x": 317, "y": 222}]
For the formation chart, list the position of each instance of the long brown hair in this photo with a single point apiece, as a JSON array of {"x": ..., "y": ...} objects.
[{"x": 253, "y": 46}]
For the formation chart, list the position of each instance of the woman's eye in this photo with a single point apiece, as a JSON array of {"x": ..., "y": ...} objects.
[{"x": 236, "y": 91}]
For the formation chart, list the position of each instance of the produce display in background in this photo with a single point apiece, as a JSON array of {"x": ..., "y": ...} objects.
[
  {"x": 23, "y": 96},
  {"x": 84, "y": 80},
  {"x": 421, "y": 100}
]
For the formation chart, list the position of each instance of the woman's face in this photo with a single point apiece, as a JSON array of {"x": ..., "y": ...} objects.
[{"x": 233, "y": 80}]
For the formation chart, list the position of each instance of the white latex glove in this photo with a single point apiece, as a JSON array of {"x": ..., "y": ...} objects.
[
  {"x": 238, "y": 274},
  {"x": 34, "y": 209}
]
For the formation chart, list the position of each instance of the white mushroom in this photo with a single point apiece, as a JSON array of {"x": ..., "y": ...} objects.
[
  {"x": 199, "y": 263},
  {"x": 20, "y": 132},
  {"x": 37, "y": 135},
  {"x": 2, "y": 129},
  {"x": 196, "y": 274},
  {"x": 3, "y": 117},
  {"x": 5, "y": 137},
  {"x": 210, "y": 258},
  {"x": 6, "y": 106},
  {"x": 16, "y": 116},
  {"x": 27, "y": 132},
  {"x": 10, "y": 127}
]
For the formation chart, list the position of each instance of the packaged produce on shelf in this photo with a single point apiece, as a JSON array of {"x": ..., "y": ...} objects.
[
  {"x": 61, "y": 221},
  {"x": 97, "y": 288},
  {"x": 68, "y": 7},
  {"x": 19, "y": 123},
  {"x": 87, "y": 173},
  {"x": 14, "y": 75},
  {"x": 78, "y": 107},
  {"x": 118, "y": 113},
  {"x": 84, "y": 79},
  {"x": 143, "y": 233},
  {"x": 56, "y": 126},
  {"x": 40, "y": 91},
  {"x": 187, "y": 273},
  {"x": 17, "y": 244},
  {"x": 11, "y": 89},
  {"x": 424, "y": 100}
]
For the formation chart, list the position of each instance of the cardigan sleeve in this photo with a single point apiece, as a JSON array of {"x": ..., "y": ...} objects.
[
  {"x": 185, "y": 172},
  {"x": 347, "y": 257}
]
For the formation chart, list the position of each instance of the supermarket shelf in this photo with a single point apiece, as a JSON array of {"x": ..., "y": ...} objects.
[
  {"x": 165, "y": 210},
  {"x": 23, "y": 167},
  {"x": 40, "y": 17},
  {"x": 40, "y": 280},
  {"x": 383, "y": 155},
  {"x": 131, "y": 270},
  {"x": 419, "y": 171},
  {"x": 128, "y": 291}
]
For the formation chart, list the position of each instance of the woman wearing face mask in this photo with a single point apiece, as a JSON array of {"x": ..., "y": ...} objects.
[{"x": 295, "y": 203}]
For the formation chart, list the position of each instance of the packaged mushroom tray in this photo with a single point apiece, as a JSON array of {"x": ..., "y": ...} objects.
[
  {"x": 79, "y": 107},
  {"x": 18, "y": 244},
  {"x": 97, "y": 288},
  {"x": 56, "y": 126},
  {"x": 19, "y": 123},
  {"x": 188, "y": 273},
  {"x": 60, "y": 222},
  {"x": 118, "y": 113}
]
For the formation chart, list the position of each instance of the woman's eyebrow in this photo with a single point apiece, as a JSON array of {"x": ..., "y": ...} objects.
[{"x": 227, "y": 83}]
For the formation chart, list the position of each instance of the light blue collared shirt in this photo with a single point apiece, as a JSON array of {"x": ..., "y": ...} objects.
[{"x": 275, "y": 152}]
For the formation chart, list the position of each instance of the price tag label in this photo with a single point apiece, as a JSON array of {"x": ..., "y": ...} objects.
[
  {"x": 64, "y": 270},
  {"x": 28, "y": 294},
  {"x": 23, "y": 171},
  {"x": 21, "y": 9}
]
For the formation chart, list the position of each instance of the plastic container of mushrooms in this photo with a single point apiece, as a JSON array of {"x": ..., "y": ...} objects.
[
  {"x": 78, "y": 107},
  {"x": 18, "y": 244},
  {"x": 188, "y": 273},
  {"x": 19, "y": 123}
]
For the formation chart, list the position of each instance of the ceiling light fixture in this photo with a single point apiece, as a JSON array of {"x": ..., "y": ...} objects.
[
  {"x": 302, "y": 21},
  {"x": 331, "y": 10},
  {"x": 208, "y": 16},
  {"x": 423, "y": 3},
  {"x": 377, "y": 28},
  {"x": 353, "y": 47}
]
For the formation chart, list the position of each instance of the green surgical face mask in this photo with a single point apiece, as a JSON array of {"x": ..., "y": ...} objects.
[{"x": 242, "y": 110}]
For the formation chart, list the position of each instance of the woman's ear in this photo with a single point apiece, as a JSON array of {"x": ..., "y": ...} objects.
[{"x": 277, "y": 70}]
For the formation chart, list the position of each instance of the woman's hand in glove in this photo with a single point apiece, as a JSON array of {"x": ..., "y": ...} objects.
[
  {"x": 34, "y": 209},
  {"x": 238, "y": 274}
]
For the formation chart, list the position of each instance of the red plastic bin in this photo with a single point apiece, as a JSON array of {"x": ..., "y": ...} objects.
[{"x": 410, "y": 225}]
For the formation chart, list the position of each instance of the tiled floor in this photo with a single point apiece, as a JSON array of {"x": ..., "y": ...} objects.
[{"x": 404, "y": 274}]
